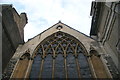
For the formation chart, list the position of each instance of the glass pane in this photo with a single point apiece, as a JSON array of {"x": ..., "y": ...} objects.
[
  {"x": 73, "y": 44},
  {"x": 71, "y": 67},
  {"x": 84, "y": 67},
  {"x": 64, "y": 44},
  {"x": 79, "y": 50},
  {"x": 46, "y": 45},
  {"x": 69, "y": 49},
  {"x": 35, "y": 71},
  {"x": 49, "y": 50},
  {"x": 59, "y": 40},
  {"x": 59, "y": 67},
  {"x": 40, "y": 51},
  {"x": 59, "y": 35},
  {"x": 47, "y": 67},
  {"x": 59, "y": 50},
  {"x": 68, "y": 40},
  {"x": 54, "y": 45}
]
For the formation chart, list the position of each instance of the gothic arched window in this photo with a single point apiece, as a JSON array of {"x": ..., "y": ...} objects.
[{"x": 60, "y": 56}]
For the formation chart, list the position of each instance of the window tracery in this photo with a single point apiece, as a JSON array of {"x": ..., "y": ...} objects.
[{"x": 60, "y": 58}]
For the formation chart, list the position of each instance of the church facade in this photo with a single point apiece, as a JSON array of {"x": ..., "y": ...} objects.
[
  {"x": 63, "y": 52},
  {"x": 59, "y": 52}
]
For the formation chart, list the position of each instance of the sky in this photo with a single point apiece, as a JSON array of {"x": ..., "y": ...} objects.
[{"x": 42, "y": 14}]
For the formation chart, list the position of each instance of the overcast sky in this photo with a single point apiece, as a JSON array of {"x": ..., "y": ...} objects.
[{"x": 42, "y": 14}]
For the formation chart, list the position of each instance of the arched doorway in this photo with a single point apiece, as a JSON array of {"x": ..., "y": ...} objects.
[{"x": 60, "y": 56}]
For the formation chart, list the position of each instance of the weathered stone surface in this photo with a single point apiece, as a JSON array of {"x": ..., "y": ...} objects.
[
  {"x": 105, "y": 26},
  {"x": 93, "y": 63},
  {"x": 12, "y": 32}
]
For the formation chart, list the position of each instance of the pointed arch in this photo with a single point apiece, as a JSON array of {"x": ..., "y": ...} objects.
[
  {"x": 22, "y": 65},
  {"x": 69, "y": 49},
  {"x": 49, "y": 50},
  {"x": 98, "y": 65},
  {"x": 65, "y": 37},
  {"x": 60, "y": 47}
]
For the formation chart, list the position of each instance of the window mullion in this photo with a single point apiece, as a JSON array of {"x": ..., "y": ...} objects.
[
  {"x": 41, "y": 68},
  {"x": 53, "y": 67},
  {"x": 66, "y": 74},
  {"x": 78, "y": 68}
]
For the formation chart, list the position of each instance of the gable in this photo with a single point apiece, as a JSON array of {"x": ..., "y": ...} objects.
[{"x": 35, "y": 41}]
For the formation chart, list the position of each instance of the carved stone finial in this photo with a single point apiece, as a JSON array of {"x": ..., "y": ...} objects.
[{"x": 59, "y": 21}]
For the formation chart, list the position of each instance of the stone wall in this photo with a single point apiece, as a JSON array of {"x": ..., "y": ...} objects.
[
  {"x": 12, "y": 32},
  {"x": 108, "y": 31}
]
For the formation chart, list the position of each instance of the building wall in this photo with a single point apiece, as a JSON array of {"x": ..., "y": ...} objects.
[
  {"x": 32, "y": 44},
  {"x": 88, "y": 43},
  {"x": 0, "y": 41},
  {"x": 107, "y": 29},
  {"x": 104, "y": 28},
  {"x": 12, "y": 32}
]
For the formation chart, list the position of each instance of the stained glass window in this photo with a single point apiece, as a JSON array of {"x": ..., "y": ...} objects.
[
  {"x": 59, "y": 59},
  {"x": 59, "y": 67},
  {"x": 35, "y": 71},
  {"x": 47, "y": 67}
]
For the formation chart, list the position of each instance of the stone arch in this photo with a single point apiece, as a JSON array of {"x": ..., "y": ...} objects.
[
  {"x": 21, "y": 66},
  {"x": 60, "y": 47},
  {"x": 98, "y": 65},
  {"x": 80, "y": 43},
  {"x": 64, "y": 41}
]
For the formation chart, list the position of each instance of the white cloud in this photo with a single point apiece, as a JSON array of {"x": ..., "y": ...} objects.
[{"x": 45, "y": 13}]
